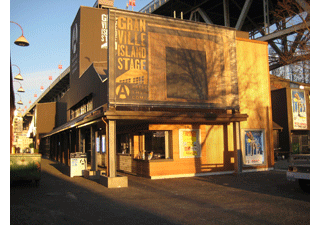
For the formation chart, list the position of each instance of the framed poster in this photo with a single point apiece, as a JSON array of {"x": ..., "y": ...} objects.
[
  {"x": 253, "y": 146},
  {"x": 299, "y": 111},
  {"x": 189, "y": 143}
]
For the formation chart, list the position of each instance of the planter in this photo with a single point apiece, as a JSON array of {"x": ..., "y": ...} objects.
[
  {"x": 113, "y": 182},
  {"x": 91, "y": 175},
  {"x": 25, "y": 167}
]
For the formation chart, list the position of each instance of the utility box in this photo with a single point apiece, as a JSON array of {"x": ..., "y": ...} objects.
[{"x": 78, "y": 163}]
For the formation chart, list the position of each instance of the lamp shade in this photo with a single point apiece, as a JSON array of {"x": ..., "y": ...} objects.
[
  {"x": 18, "y": 77},
  {"x": 22, "y": 41},
  {"x": 21, "y": 89},
  {"x": 20, "y": 102}
]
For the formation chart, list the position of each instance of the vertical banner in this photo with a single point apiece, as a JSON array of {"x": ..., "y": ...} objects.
[
  {"x": 299, "y": 111},
  {"x": 131, "y": 59},
  {"x": 253, "y": 146},
  {"x": 189, "y": 143}
]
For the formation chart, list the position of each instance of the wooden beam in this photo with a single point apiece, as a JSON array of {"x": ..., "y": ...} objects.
[{"x": 175, "y": 117}]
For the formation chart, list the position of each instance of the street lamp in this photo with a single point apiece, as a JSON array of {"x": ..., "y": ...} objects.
[
  {"x": 19, "y": 102},
  {"x": 18, "y": 77},
  {"x": 21, "y": 41},
  {"x": 20, "y": 89}
]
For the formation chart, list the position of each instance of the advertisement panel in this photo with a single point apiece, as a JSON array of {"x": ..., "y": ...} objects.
[
  {"x": 299, "y": 109},
  {"x": 165, "y": 62},
  {"x": 189, "y": 143},
  {"x": 253, "y": 146},
  {"x": 131, "y": 59}
]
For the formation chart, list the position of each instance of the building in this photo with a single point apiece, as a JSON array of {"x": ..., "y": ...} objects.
[
  {"x": 291, "y": 110},
  {"x": 162, "y": 97}
]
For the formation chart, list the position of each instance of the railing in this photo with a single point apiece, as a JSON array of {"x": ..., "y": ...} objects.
[{"x": 152, "y": 6}]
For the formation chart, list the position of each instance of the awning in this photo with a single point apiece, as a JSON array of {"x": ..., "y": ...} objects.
[
  {"x": 276, "y": 126},
  {"x": 81, "y": 120}
]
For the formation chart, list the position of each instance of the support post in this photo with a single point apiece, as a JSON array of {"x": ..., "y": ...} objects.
[
  {"x": 226, "y": 13},
  {"x": 93, "y": 150},
  {"x": 243, "y": 14},
  {"x": 112, "y": 148},
  {"x": 238, "y": 153}
]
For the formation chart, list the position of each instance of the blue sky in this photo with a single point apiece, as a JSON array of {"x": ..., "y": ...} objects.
[{"x": 46, "y": 25}]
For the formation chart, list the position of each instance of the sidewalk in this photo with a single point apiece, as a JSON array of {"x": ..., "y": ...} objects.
[{"x": 250, "y": 198}]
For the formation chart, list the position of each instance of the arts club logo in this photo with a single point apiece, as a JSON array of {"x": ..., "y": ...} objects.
[{"x": 122, "y": 91}]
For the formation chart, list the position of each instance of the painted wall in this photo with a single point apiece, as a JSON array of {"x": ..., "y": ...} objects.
[{"x": 254, "y": 92}]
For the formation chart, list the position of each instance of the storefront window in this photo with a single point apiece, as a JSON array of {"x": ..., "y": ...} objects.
[
  {"x": 123, "y": 143},
  {"x": 156, "y": 144}
]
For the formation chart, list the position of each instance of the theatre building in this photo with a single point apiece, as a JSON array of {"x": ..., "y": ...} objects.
[{"x": 162, "y": 97}]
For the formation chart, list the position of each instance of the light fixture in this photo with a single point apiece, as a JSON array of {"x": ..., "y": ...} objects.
[
  {"x": 20, "y": 89},
  {"x": 21, "y": 41},
  {"x": 18, "y": 77},
  {"x": 19, "y": 102}
]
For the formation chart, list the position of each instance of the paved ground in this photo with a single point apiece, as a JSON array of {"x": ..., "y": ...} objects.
[{"x": 250, "y": 198}]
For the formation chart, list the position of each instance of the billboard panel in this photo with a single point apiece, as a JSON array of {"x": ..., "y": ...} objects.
[{"x": 168, "y": 62}]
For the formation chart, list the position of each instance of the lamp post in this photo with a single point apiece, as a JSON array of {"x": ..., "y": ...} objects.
[
  {"x": 21, "y": 41},
  {"x": 21, "y": 88},
  {"x": 19, "y": 102},
  {"x": 18, "y": 77}
]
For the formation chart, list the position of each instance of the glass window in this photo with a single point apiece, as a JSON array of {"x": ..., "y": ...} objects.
[{"x": 156, "y": 144}]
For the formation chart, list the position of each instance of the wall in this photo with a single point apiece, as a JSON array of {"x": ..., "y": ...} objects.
[
  {"x": 217, "y": 152},
  {"x": 46, "y": 116},
  {"x": 254, "y": 90}
]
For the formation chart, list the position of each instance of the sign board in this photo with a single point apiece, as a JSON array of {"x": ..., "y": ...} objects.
[{"x": 78, "y": 163}]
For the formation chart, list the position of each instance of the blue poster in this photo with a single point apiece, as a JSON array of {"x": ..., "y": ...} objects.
[{"x": 253, "y": 147}]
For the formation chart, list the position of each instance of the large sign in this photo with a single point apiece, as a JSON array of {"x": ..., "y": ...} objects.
[
  {"x": 164, "y": 62},
  {"x": 299, "y": 109},
  {"x": 131, "y": 59}
]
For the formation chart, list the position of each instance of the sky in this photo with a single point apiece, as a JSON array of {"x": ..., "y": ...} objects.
[{"x": 46, "y": 25}]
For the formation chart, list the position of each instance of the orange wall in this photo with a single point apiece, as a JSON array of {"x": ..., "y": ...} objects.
[{"x": 254, "y": 89}]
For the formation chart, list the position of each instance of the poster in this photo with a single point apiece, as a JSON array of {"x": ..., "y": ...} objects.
[
  {"x": 253, "y": 146},
  {"x": 299, "y": 111},
  {"x": 189, "y": 143},
  {"x": 131, "y": 58}
]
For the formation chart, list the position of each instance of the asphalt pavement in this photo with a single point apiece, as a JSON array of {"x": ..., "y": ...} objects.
[{"x": 248, "y": 198}]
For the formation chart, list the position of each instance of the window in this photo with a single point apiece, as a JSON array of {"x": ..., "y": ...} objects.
[
  {"x": 157, "y": 144},
  {"x": 124, "y": 143},
  {"x": 85, "y": 105}
]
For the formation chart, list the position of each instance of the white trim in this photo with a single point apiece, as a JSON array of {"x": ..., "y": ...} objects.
[{"x": 191, "y": 175}]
